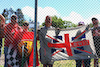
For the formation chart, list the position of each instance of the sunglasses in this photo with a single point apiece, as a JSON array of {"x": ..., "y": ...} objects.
[{"x": 26, "y": 24}]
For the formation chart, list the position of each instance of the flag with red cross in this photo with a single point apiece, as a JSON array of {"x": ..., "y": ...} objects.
[{"x": 74, "y": 43}]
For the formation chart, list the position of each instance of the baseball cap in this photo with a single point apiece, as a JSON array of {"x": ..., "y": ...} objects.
[
  {"x": 94, "y": 19},
  {"x": 81, "y": 23}
]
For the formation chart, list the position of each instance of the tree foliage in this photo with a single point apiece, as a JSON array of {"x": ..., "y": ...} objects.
[
  {"x": 7, "y": 14},
  {"x": 59, "y": 23},
  {"x": 20, "y": 16}
]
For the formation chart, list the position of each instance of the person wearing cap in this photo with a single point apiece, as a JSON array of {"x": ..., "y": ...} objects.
[
  {"x": 79, "y": 62},
  {"x": 96, "y": 38},
  {"x": 81, "y": 23},
  {"x": 10, "y": 31},
  {"x": 44, "y": 58},
  {"x": 2, "y": 25},
  {"x": 30, "y": 60},
  {"x": 25, "y": 34}
]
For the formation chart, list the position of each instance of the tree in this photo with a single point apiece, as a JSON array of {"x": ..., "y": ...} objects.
[
  {"x": 20, "y": 16},
  {"x": 5, "y": 13},
  {"x": 69, "y": 24},
  {"x": 11, "y": 11},
  {"x": 59, "y": 23},
  {"x": 91, "y": 25}
]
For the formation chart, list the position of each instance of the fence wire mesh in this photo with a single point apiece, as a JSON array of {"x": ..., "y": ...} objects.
[{"x": 22, "y": 33}]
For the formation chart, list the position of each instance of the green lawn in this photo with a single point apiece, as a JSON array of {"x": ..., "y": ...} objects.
[
  {"x": 1, "y": 66},
  {"x": 66, "y": 63},
  {"x": 62, "y": 63},
  {"x": 3, "y": 46}
]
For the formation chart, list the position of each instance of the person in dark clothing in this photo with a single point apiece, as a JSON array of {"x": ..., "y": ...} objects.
[{"x": 96, "y": 38}]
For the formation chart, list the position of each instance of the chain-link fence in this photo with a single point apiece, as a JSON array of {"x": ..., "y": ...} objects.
[{"x": 17, "y": 35}]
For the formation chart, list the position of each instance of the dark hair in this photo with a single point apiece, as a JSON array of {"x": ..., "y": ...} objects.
[
  {"x": 13, "y": 17},
  {"x": 94, "y": 19}
]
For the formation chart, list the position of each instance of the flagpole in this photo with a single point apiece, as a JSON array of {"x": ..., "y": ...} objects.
[{"x": 35, "y": 32}]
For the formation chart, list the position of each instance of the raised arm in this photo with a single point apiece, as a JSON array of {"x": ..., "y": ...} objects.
[
  {"x": 2, "y": 25},
  {"x": 2, "y": 19}
]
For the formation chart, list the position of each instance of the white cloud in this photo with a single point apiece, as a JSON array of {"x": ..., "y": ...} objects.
[
  {"x": 29, "y": 11},
  {"x": 75, "y": 18},
  {"x": 42, "y": 12}
]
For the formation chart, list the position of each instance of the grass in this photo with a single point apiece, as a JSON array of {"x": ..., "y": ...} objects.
[
  {"x": 1, "y": 66},
  {"x": 3, "y": 46},
  {"x": 67, "y": 63},
  {"x": 62, "y": 63}
]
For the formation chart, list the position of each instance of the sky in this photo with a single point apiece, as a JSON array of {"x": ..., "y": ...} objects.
[{"x": 69, "y": 10}]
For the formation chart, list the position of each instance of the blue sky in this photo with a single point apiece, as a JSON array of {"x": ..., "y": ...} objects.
[
  {"x": 70, "y": 10},
  {"x": 84, "y": 7}
]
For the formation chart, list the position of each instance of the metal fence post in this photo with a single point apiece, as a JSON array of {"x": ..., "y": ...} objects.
[{"x": 35, "y": 32}]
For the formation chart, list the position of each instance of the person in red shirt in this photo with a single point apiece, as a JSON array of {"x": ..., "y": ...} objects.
[
  {"x": 30, "y": 62},
  {"x": 10, "y": 31},
  {"x": 2, "y": 25},
  {"x": 26, "y": 36}
]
